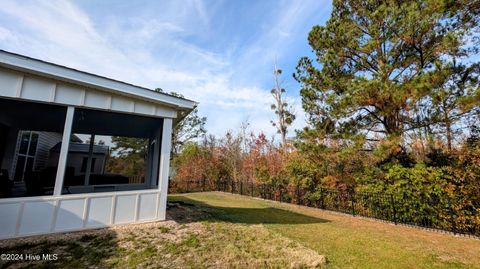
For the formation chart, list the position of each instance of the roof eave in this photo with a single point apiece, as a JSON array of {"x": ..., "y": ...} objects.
[{"x": 54, "y": 71}]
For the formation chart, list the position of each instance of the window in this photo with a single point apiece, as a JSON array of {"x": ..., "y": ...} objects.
[{"x": 26, "y": 154}]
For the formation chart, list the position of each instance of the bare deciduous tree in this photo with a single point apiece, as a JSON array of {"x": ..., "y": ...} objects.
[{"x": 284, "y": 113}]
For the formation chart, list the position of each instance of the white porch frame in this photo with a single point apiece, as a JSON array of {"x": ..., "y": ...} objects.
[
  {"x": 31, "y": 80},
  {"x": 161, "y": 157},
  {"x": 62, "y": 160},
  {"x": 165, "y": 149},
  {"x": 72, "y": 212}
]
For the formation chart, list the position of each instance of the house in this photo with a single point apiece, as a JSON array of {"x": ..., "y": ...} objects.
[
  {"x": 50, "y": 179},
  {"x": 32, "y": 151},
  {"x": 78, "y": 158}
]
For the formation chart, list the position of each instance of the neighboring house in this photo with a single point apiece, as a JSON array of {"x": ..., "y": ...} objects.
[
  {"x": 32, "y": 152},
  {"x": 41, "y": 104},
  {"x": 78, "y": 158},
  {"x": 36, "y": 151}
]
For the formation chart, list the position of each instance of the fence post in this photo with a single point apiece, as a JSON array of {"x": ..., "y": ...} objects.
[
  {"x": 241, "y": 187},
  {"x": 394, "y": 210},
  {"x": 352, "y": 196},
  {"x": 251, "y": 182},
  {"x": 188, "y": 189},
  {"x": 452, "y": 216}
]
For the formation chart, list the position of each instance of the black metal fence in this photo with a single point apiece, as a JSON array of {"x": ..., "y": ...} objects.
[{"x": 433, "y": 212}]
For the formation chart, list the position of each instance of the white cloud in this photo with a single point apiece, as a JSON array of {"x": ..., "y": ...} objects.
[
  {"x": 150, "y": 52},
  {"x": 5, "y": 34}
]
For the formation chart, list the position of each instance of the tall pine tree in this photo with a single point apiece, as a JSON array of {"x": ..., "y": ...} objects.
[{"x": 375, "y": 60}]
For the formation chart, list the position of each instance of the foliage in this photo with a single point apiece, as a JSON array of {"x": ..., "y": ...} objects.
[
  {"x": 124, "y": 146},
  {"x": 190, "y": 127},
  {"x": 127, "y": 156},
  {"x": 378, "y": 61},
  {"x": 388, "y": 99}
]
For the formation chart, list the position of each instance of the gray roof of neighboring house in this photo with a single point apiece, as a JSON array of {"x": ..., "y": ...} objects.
[{"x": 82, "y": 148}]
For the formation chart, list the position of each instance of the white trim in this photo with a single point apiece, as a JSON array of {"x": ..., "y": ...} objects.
[
  {"x": 113, "y": 208},
  {"x": 166, "y": 146},
  {"x": 56, "y": 205},
  {"x": 89, "y": 160},
  {"x": 35, "y": 66},
  {"x": 109, "y": 102},
  {"x": 18, "y": 92},
  {"x": 80, "y": 229},
  {"x": 53, "y": 92},
  {"x": 19, "y": 218},
  {"x": 73, "y": 196},
  {"x": 56, "y": 202},
  {"x": 137, "y": 207},
  {"x": 157, "y": 203},
  {"x": 86, "y": 211},
  {"x": 62, "y": 160},
  {"x": 82, "y": 97}
]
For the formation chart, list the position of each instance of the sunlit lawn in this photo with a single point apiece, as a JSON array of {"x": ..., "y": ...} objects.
[
  {"x": 216, "y": 230},
  {"x": 348, "y": 242}
]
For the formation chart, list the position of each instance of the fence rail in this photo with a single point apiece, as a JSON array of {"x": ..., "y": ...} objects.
[{"x": 437, "y": 212}]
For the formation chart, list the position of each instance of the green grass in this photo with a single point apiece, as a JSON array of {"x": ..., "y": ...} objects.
[
  {"x": 347, "y": 242},
  {"x": 214, "y": 230}
]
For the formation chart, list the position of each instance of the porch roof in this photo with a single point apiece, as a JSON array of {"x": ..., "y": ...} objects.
[{"x": 39, "y": 67}]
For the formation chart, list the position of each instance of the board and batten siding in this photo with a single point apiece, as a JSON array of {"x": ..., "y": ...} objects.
[
  {"x": 52, "y": 214},
  {"x": 41, "y": 89},
  {"x": 31, "y": 80}
]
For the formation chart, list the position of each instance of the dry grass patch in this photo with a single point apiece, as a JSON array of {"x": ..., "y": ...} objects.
[{"x": 189, "y": 240}]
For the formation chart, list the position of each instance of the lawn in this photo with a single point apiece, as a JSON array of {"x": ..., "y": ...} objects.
[{"x": 214, "y": 230}]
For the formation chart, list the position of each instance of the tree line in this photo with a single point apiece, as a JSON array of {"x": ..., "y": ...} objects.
[{"x": 391, "y": 98}]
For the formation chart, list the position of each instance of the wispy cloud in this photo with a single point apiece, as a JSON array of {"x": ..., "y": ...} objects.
[{"x": 167, "y": 51}]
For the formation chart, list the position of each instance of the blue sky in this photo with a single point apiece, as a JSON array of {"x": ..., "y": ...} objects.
[{"x": 219, "y": 53}]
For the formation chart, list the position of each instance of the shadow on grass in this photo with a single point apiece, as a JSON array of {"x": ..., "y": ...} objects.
[
  {"x": 76, "y": 250},
  {"x": 184, "y": 210}
]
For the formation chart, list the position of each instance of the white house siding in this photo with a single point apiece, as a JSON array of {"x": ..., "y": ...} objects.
[
  {"x": 26, "y": 79},
  {"x": 42, "y": 215},
  {"x": 40, "y": 89},
  {"x": 46, "y": 140}
]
